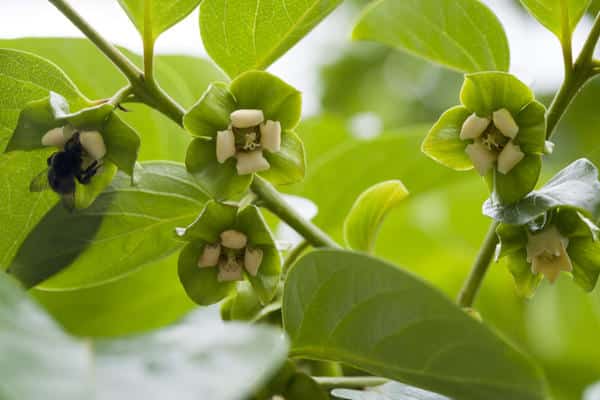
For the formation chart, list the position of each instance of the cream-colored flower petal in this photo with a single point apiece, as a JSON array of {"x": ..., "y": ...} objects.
[
  {"x": 483, "y": 159},
  {"x": 210, "y": 256},
  {"x": 247, "y": 118},
  {"x": 233, "y": 239},
  {"x": 69, "y": 131},
  {"x": 504, "y": 121},
  {"x": 54, "y": 138},
  {"x": 509, "y": 157},
  {"x": 250, "y": 162},
  {"x": 252, "y": 260},
  {"x": 551, "y": 265},
  {"x": 547, "y": 253},
  {"x": 229, "y": 271},
  {"x": 225, "y": 146},
  {"x": 93, "y": 143},
  {"x": 547, "y": 240},
  {"x": 473, "y": 127},
  {"x": 270, "y": 136}
]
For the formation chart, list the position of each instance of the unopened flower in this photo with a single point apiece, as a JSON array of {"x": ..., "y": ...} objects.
[
  {"x": 564, "y": 241},
  {"x": 547, "y": 253},
  {"x": 499, "y": 130},
  {"x": 226, "y": 245},
  {"x": 243, "y": 129}
]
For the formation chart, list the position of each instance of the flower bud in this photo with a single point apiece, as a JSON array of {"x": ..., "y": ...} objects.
[
  {"x": 233, "y": 239},
  {"x": 93, "y": 143},
  {"x": 270, "y": 136},
  {"x": 505, "y": 123},
  {"x": 483, "y": 159},
  {"x": 246, "y": 118},
  {"x": 473, "y": 127},
  {"x": 225, "y": 145},
  {"x": 54, "y": 138},
  {"x": 250, "y": 162},
  {"x": 229, "y": 270},
  {"x": 252, "y": 260},
  {"x": 210, "y": 256},
  {"x": 510, "y": 156}
]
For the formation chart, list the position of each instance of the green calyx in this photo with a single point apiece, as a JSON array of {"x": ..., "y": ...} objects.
[
  {"x": 499, "y": 129},
  {"x": 104, "y": 137},
  {"x": 244, "y": 128},
  {"x": 227, "y": 245}
]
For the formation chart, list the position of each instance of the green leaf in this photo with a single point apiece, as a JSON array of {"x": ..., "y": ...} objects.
[
  {"x": 28, "y": 77},
  {"x": 368, "y": 212},
  {"x": 443, "y": 143},
  {"x": 332, "y": 295},
  {"x": 126, "y": 228},
  {"x": 252, "y": 34},
  {"x": 460, "y": 34},
  {"x": 106, "y": 310},
  {"x": 585, "y": 252},
  {"x": 32, "y": 345},
  {"x": 153, "y": 17},
  {"x": 263, "y": 91},
  {"x": 199, "y": 350},
  {"x": 551, "y": 14},
  {"x": 389, "y": 391},
  {"x": 576, "y": 186}
]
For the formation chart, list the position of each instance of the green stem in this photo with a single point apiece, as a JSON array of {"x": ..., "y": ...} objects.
[
  {"x": 146, "y": 90},
  {"x": 466, "y": 297},
  {"x": 148, "y": 42},
  {"x": 581, "y": 72},
  {"x": 273, "y": 201},
  {"x": 121, "y": 96},
  {"x": 350, "y": 382}
]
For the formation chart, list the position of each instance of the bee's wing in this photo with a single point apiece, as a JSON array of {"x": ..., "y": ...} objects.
[{"x": 40, "y": 182}]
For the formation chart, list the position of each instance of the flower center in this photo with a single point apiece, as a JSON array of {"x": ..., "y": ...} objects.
[{"x": 493, "y": 139}]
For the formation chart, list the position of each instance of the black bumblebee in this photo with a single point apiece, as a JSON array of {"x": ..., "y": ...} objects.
[{"x": 63, "y": 168}]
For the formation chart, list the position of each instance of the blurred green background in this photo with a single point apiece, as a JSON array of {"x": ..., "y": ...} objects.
[{"x": 377, "y": 105}]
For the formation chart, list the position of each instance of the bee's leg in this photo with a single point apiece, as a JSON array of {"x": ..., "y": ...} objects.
[{"x": 85, "y": 176}]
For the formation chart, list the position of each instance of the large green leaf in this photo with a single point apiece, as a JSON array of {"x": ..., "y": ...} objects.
[
  {"x": 106, "y": 310},
  {"x": 389, "y": 391},
  {"x": 127, "y": 227},
  {"x": 576, "y": 186},
  {"x": 37, "y": 357},
  {"x": 460, "y": 34},
  {"x": 415, "y": 334},
  {"x": 559, "y": 16},
  {"x": 368, "y": 212},
  {"x": 185, "y": 362},
  {"x": 243, "y": 35},
  {"x": 153, "y": 17}
]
